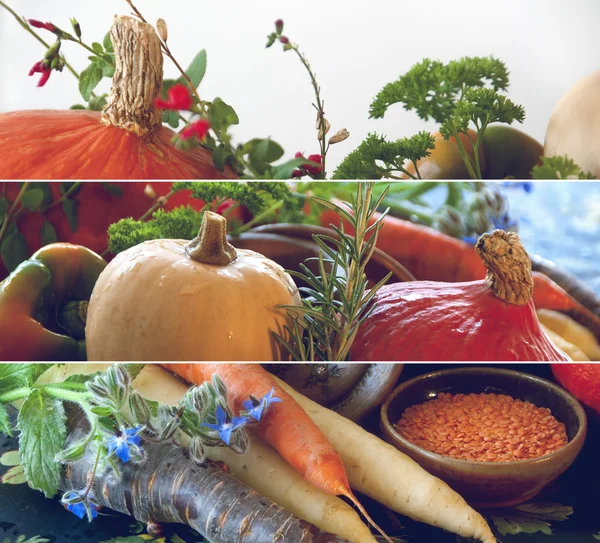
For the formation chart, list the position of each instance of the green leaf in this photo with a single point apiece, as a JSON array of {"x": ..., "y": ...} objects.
[
  {"x": 113, "y": 188},
  {"x": 107, "y": 42},
  {"x": 197, "y": 68},
  {"x": 530, "y": 518},
  {"x": 70, "y": 208},
  {"x": 14, "y": 250},
  {"x": 96, "y": 103},
  {"x": 77, "y": 106},
  {"x": 218, "y": 157},
  {"x": 559, "y": 167},
  {"x": 32, "y": 199},
  {"x": 264, "y": 150},
  {"x": 46, "y": 190},
  {"x": 134, "y": 539},
  {"x": 97, "y": 47},
  {"x": 15, "y": 375},
  {"x": 89, "y": 79},
  {"x": 42, "y": 423},
  {"x": 21, "y": 539},
  {"x": 4, "y": 429},
  {"x": 222, "y": 115},
  {"x": 48, "y": 233},
  {"x": 14, "y": 476},
  {"x": 10, "y": 458},
  {"x": 171, "y": 118},
  {"x": 108, "y": 70},
  {"x": 3, "y": 208},
  {"x": 284, "y": 171}
]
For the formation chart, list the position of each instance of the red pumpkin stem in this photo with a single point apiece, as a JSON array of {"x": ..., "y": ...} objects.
[
  {"x": 509, "y": 267},
  {"x": 210, "y": 246},
  {"x": 137, "y": 81}
]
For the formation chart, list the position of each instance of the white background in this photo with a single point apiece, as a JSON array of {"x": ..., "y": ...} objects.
[{"x": 355, "y": 48}]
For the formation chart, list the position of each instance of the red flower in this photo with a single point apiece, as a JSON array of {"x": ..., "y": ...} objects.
[
  {"x": 313, "y": 169},
  {"x": 178, "y": 98},
  {"x": 297, "y": 173},
  {"x": 199, "y": 129},
  {"x": 40, "y": 68},
  {"x": 38, "y": 24}
]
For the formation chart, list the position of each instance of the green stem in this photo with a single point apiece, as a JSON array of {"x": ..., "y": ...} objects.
[
  {"x": 258, "y": 218},
  {"x": 319, "y": 107},
  {"x": 67, "y": 193},
  {"x": 15, "y": 394},
  {"x": 465, "y": 156},
  {"x": 480, "y": 133},
  {"x": 26, "y": 26},
  {"x": 404, "y": 210},
  {"x": 9, "y": 213}
]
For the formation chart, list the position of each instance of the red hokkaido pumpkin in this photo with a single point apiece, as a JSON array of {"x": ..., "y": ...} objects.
[
  {"x": 492, "y": 319},
  {"x": 126, "y": 141}
]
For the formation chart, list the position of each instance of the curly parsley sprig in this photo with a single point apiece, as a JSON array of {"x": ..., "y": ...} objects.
[{"x": 459, "y": 95}]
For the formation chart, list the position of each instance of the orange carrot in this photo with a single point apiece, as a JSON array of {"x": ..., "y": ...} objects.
[
  {"x": 286, "y": 426},
  {"x": 433, "y": 256}
]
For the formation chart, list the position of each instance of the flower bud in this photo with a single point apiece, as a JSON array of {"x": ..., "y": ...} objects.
[
  {"x": 479, "y": 222},
  {"x": 339, "y": 136},
  {"x": 139, "y": 408},
  {"x": 450, "y": 222},
  {"x": 53, "y": 50},
  {"x": 284, "y": 39},
  {"x": 219, "y": 385},
  {"x": 149, "y": 191},
  {"x": 197, "y": 450},
  {"x": 239, "y": 441},
  {"x": 279, "y": 26},
  {"x": 76, "y": 27},
  {"x": 71, "y": 453},
  {"x": 323, "y": 128},
  {"x": 271, "y": 39},
  {"x": 170, "y": 429},
  {"x": 211, "y": 439},
  {"x": 161, "y": 27}
]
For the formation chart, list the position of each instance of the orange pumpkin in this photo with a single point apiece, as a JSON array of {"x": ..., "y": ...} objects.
[{"x": 126, "y": 141}]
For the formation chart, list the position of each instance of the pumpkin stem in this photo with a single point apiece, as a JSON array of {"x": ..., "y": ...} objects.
[
  {"x": 210, "y": 246},
  {"x": 137, "y": 81},
  {"x": 509, "y": 266}
]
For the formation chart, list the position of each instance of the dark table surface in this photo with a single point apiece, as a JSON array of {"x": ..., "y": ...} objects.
[{"x": 24, "y": 511}]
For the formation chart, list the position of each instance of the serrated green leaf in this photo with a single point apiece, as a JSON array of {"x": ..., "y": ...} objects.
[
  {"x": 43, "y": 433},
  {"x": 5, "y": 429},
  {"x": 48, "y": 233},
  {"x": 107, "y": 42},
  {"x": 197, "y": 68},
  {"x": 14, "y": 250},
  {"x": 14, "y": 476},
  {"x": 70, "y": 208},
  {"x": 10, "y": 458},
  {"x": 97, "y": 47},
  {"x": 89, "y": 79},
  {"x": 13, "y": 375},
  {"x": 32, "y": 199}
]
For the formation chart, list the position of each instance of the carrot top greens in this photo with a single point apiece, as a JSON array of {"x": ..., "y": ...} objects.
[{"x": 120, "y": 423}]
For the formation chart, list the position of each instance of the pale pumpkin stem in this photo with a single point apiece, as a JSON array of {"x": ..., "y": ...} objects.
[
  {"x": 210, "y": 246},
  {"x": 509, "y": 266},
  {"x": 137, "y": 81}
]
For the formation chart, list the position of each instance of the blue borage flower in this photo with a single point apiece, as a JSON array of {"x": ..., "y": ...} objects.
[
  {"x": 125, "y": 444},
  {"x": 81, "y": 504},
  {"x": 255, "y": 408},
  {"x": 527, "y": 186},
  {"x": 224, "y": 426}
]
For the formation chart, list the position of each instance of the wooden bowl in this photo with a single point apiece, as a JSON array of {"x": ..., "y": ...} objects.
[
  {"x": 489, "y": 484},
  {"x": 352, "y": 390}
]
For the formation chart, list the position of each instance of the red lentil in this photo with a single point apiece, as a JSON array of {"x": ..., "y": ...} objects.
[{"x": 482, "y": 427}]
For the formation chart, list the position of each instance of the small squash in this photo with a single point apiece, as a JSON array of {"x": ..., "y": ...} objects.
[
  {"x": 126, "y": 141},
  {"x": 492, "y": 319},
  {"x": 199, "y": 300}
]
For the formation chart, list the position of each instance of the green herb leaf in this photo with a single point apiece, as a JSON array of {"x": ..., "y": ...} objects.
[
  {"x": 107, "y": 42},
  {"x": 10, "y": 458},
  {"x": 14, "y": 476},
  {"x": 70, "y": 208},
  {"x": 218, "y": 157},
  {"x": 89, "y": 79},
  {"x": 559, "y": 167},
  {"x": 32, "y": 199},
  {"x": 222, "y": 115},
  {"x": 171, "y": 118},
  {"x": 197, "y": 68},
  {"x": 78, "y": 106},
  {"x": 15, "y": 375},
  {"x": 42, "y": 424},
  {"x": 113, "y": 188},
  {"x": 14, "y": 250},
  {"x": 46, "y": 191},
  {"x": 530, "y": 518},
  {"x": 5, "y": 429},
  {"x": 97, "y": 47},
  {"x": 48, "y": 234},
  {"x": 96, "y": 103}
]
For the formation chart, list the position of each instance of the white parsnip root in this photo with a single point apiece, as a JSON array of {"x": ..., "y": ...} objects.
[{"x": 383, "y": 473}]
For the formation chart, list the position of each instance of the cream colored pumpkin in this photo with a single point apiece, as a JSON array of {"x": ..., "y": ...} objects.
[
  {"x": 574, "y": 127},
  {"x": 178, "y": 300}
]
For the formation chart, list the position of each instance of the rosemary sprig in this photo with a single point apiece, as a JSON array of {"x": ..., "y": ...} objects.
[{"x": 336, "y": 300}]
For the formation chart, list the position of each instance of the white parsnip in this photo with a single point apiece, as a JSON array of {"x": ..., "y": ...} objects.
[
  {"x": 571, "y": 331},
  {"x": 383, "y": 473}
]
